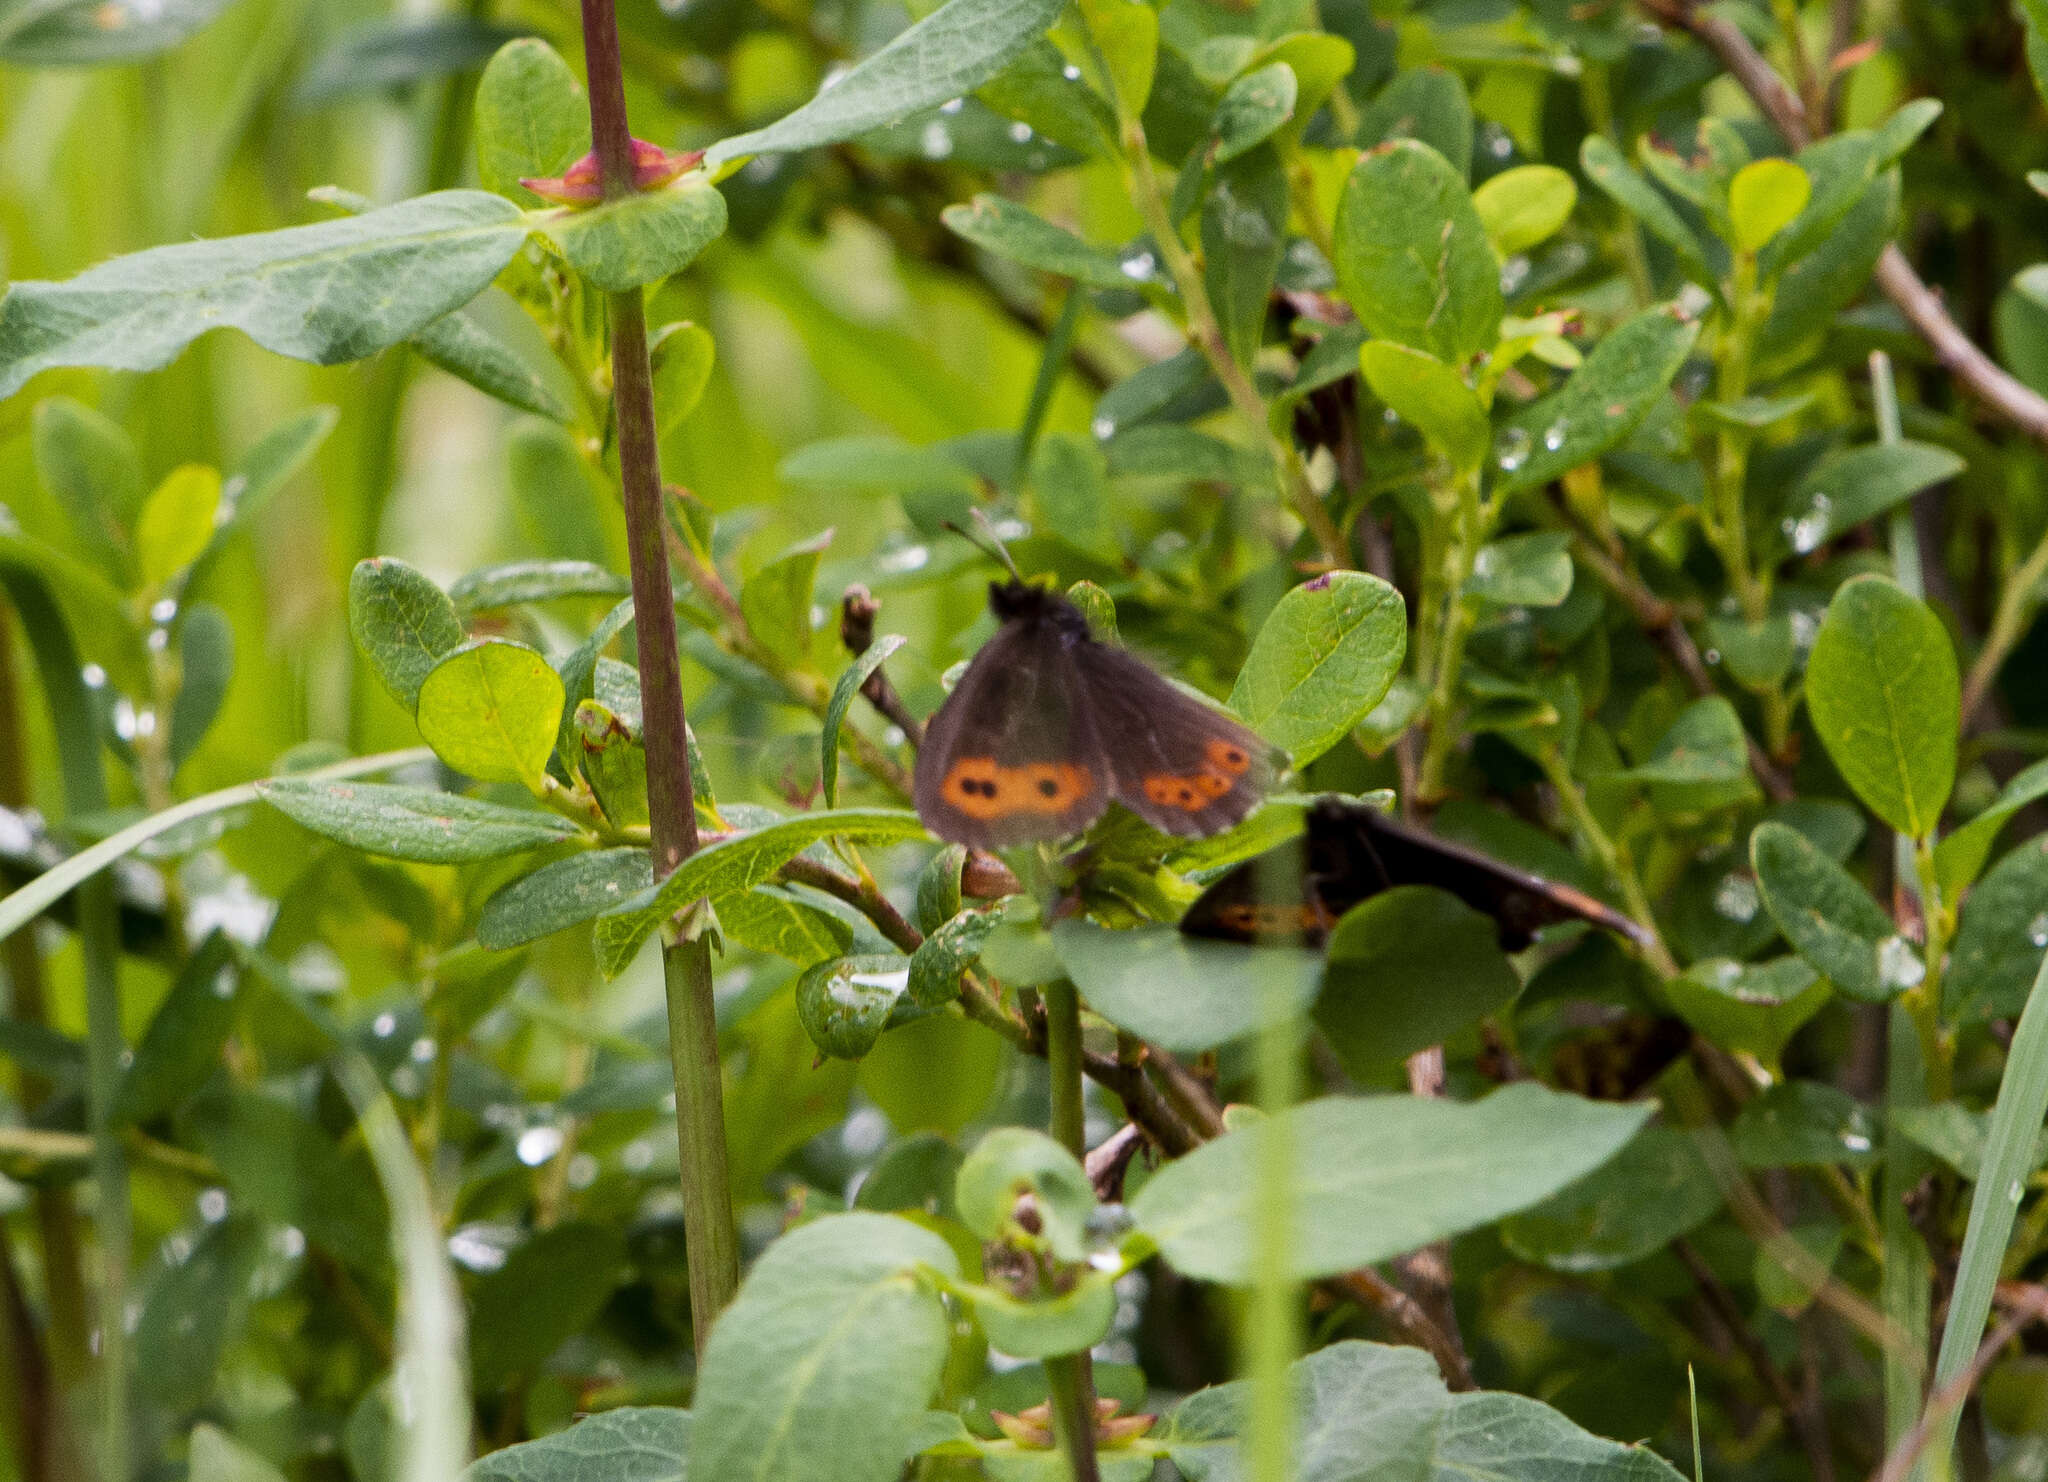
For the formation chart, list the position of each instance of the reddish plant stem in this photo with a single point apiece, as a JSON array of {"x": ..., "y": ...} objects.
[{"x": 712, "y": 1243}]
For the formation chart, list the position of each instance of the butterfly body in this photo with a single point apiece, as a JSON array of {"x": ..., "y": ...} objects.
[
  {"x": 1352, "y": 851},
  {"x": 1048, "y": 726}
]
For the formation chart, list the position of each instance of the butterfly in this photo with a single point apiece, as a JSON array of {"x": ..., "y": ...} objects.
[
  {"x": 1352, "y": 851},
  {"x": 1048, "y": 725}
]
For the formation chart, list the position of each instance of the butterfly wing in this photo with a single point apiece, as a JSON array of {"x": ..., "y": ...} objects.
[
  {"x": 1520, "y": 903},
  {"x": 1271, "y": 898},
  {"x": 1179, "y": 765},
  {"x": 1010, "y": 756}
]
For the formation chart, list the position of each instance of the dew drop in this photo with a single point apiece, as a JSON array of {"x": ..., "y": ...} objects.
[
  {"x": 538, "y": 1144},
  {"x": 2015, "y": 1191},
  {"x": 94, "y": 676},
  {"x": 1511, "y": 451},
  {"x": 582, "y": 1171},
  {"x": 1020, "y": 133},
  {"x": 213, "y": 1206},
  {"x": 1104, "y": 428},
  {"x": 1553, "y": 436},
  {"x": 2037, "y": 930},
  {"x": 952, "y": 105},
  {"x": 1071, "y": 72},
  {"x": 163, "y": 611},
  {"x": 936, "y": 141},
  {"x": 384, "y": 1025},
  {"x": 422, "y": 1050},
  {"x": 1712, "y": 656},
  {"x": 1898, "y": 966},
  {"x": 1736, "y": 898}
]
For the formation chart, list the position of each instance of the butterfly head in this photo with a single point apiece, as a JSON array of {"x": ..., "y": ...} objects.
[{"x": 1021, "y": 602}]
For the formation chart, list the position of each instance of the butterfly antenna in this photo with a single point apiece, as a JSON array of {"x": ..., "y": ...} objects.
[{"x": 984, "y": 539}]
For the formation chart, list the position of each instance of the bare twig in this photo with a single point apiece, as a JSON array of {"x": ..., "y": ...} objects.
[
  {"x": 2025, "y": 1303},
  {"x": 1426, "y": 1273},
  {"x": 1404, "y": 1314},
  {"x": 1107, "y": 1162},
  {"x": 857, "y": 611}
]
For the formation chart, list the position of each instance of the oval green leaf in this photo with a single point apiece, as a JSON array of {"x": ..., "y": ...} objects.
[
  {"x": 1324, "y": 657},
  {"x": 491, "y": 710}
]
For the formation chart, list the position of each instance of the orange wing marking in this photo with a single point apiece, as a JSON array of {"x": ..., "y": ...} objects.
[
  {"x": 1193, "y": 791},
  {"x": 980, "y": 788}
]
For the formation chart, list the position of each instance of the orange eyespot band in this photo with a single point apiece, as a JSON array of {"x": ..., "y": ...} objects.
[
  {"x": 980, "y": 788},
  {"x": 1194, "y": 791}
]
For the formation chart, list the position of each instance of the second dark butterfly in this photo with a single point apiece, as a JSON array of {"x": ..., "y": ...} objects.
[{"x": 1352, "y": 851}]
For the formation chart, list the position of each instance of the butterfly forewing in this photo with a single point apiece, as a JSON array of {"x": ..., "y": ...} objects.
[
  {"x": 1179, "y": 765},
  {"x": 1011, "y": 755}
]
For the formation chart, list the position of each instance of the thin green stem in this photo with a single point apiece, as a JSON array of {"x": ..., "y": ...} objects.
[
  {"x": 1906, "y": 1276},
  {"x": 1467, "y": 521},
  {"x": 1614, "y": 855},
  {"x": 712, "y": 1243},
  {"x": 1071, "y": 1376},
  {"x": 1274, "y": 1333},
  {"x": 2018, "y": 600}
]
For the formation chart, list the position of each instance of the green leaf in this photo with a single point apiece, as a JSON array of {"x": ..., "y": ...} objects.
[
  {"x": 945, "y": 954},
  {"x": 1462, "y": 1165},
  {"x": 736, "y": 864},
  {"x": 1605, "y": 167},
  {"x": 403, "y": 623},
  {"x": 845, "y": 1003},
  {"x": 1829, "y": 918},
  {"x": 684, "y": 355},
  {"x": 1425, "y": 391},
  {"x": 1070, "y": 490},
  {"x": 1523, "y": 206},
  {"x": 1428, "y": 104},
  {"x": 1412, "y": 256},
  {"x": 89, "y": 464},
  {"x": 1604, "y": 401},
  {"x": 515, "y": 582},
  {"x": 1323, "y": 658},
  {"x": 193, "y": 1309},
  {"x": 1183, "y": 993},
  {"x": 549, "y": 1290},
  {"x": 1533, "y": 570},
  {"x": 181, "y": 1048},
  {"x": 1408, "y": 968},
  {"x": 1009, "y": 1163},
  {"x": 385, "y": 56},
  {"x": 1751, "y": 1008},
  {"x": 879, "y": 463},
  {"x": 1045, "y": 1326},
  {"x": 374, "y": 279},
  {"x": 1704, "y": 744},
  {"x": 562, "y": 894},
  {"x": 579, "y": 683},
  {"x": 1125, "y": 36},
  {"x": 215, "y": 1456},
  {"x": 1805, "y": 1124},
  {"x": 490, "y": 344},
  {"x": 532, "y": 121},
  {"x": 999, "y": 225},
  {"x": 822, "y": 1366},
  {"x": 640, "y": 239},
  {"x": 1034, "y": 89},
  {"x": 850, "y": 680},
  {"x": 1859, "y": 485},
  {"x": 777, "y": 922},
  {"x": 1364, "y": 1412},
  {"x": 1244, "y": 232},
  {"x": 206, "y": 662},
  {"x": 951, "y": 52},
  {"x": 290, "y": 1172},
  {"x": 491, "y": 710},
  {"x": 1960, "y": 857},
  {"x": 1954, "y": 1134},
  {"x": 1658, "y": 1189},
  {"x": 776, "y": 601},
  {"x": 2003, "y": 937},
  {"x": 1252, "y": 110},
  {"x": 615, "y": 765},
  {"x": 1763, "y": 199},
  {"x": 415, "y": 823},
  {"x": 1882, "y": 688},
  {"x": 635, "y": 1444},
  {"x": 95, "y": 33}
]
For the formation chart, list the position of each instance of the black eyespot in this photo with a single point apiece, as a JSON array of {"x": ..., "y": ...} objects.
[{"x": 1048, "y": 788}]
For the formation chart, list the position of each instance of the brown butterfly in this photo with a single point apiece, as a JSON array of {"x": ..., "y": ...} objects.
[
  {"x": 1352, "y": 851},
  {"x": 1048, "y": 725}
]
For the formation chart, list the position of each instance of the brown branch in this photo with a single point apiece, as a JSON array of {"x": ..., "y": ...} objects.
[
  {"x": 1426, "y": 1273},
  {"x": 857, "y": 610},
  {"x": 2026, "y": 1304},
  {"x": 1404, "y": 1314},
  {"x": 2004, "y": 395}
]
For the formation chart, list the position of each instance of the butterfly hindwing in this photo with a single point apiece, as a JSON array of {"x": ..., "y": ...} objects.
[
  {"x": 1011, "y": 755},
  {"x": 1178, "y": 764}
]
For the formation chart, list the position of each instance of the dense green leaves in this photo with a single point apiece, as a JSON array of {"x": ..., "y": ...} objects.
[
  {"x": 630, "y": 1445},
  {"x": 1180, "y": 992},
  {"x": 379, "y": 278},
  {"x": 1831, "y": 919},
  {"x": 1461, "y": 1165},
  {"x": 2003, "y": 936},
  {"x": 1883, "y": 689}
]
